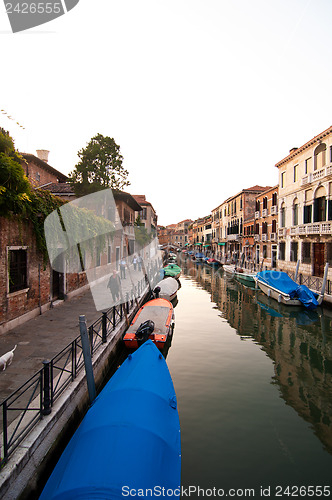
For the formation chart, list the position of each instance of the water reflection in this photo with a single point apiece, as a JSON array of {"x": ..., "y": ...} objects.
[{"x": 298, "y": 341}]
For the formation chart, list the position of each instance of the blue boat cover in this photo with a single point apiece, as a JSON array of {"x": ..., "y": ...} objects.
[
  {"x": 199, "y": 255},
  {"x": 281, "y": 281},
  {"x": 128, "y": 440}
]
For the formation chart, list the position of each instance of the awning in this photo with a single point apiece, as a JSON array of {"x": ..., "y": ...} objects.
[
  {"x": 206, "y": 245},
  {"x": 222, "y": 244}
]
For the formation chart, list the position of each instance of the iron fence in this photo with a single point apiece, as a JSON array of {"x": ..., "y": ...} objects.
[{"x": 24, "y": 408}]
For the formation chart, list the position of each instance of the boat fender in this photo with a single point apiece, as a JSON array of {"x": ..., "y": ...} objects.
[{"x": 144, "y": 330}]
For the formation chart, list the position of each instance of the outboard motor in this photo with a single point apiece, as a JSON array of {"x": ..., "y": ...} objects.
[
  {"x": 144, "y": 330},
  {"x": 156, "y": 291}
]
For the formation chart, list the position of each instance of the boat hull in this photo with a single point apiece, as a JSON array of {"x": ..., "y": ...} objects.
[
  {"x": 168, "y": 288},
  {"x": 130, "y": 436},
  {"x": 282, "y": 298},
  {"x": 161, "y": 312}
]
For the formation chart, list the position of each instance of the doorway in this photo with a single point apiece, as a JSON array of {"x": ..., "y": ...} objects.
[{"x": 319, "y": 264}]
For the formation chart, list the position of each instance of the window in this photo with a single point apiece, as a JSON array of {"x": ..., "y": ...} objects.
[
  {"x": 320, "y": 156},
  {"x": 18, "y": 269},
  {"x": 306, "y": 255},
  {"x": 307, "y": 165},
  {"x": 274, "y": 199},
  {"x": 264, "y": 251},
  {"x": 293, "y": 251},
  {"x": 37, "y": 176},
  {"x": 295, "y": 214},
  {"x": 109, "y": 254},
  {"x": 329, "y": 253},
  {"x": 307, "y": 209},
  {"x": 296, "y": 173},
  {"x": 282, "y": 180},
  {"x": 97, "y": 256},
  {"x": 264, "y": 228},
  {"x": 282, "y": 250},
  {"x": 283, "y": 217},
  {"x": 320, "y": 209},
  {"x": 264, "y": 202}
]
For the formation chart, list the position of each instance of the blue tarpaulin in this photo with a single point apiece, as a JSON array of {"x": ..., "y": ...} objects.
[
  {"x": 129, "y": 438},
  {"x": 282, "y": 282}
]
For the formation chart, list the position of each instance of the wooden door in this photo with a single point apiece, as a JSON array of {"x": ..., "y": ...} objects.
[{"x": 319, "y": 263}]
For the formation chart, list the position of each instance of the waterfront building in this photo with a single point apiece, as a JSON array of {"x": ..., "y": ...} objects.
[
  {"x": 148, "y": 216},
  {"x": 265, "y": 228},
  {"x": 305, "y": 206}
]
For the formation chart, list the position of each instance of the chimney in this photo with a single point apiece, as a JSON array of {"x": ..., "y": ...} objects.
[
  {"x": 292, "y": 150},
  {"x": 42, "y": 154}
]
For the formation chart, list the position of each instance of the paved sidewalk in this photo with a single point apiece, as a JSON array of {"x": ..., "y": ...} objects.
[{"x": 42, "y": 338}]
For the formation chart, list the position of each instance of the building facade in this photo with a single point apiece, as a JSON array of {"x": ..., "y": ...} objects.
[{"x": 305, "y": 206}]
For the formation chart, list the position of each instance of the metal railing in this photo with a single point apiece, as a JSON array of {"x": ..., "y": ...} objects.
[{"x": 24, "y": 408}]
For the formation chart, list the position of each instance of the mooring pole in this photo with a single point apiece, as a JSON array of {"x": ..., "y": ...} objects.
[{"x": 87, "y": 359}]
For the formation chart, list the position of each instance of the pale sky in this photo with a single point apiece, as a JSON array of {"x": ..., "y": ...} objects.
[{"x": 204, "y": 97}]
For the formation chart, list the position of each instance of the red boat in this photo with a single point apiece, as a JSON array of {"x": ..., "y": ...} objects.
[{"x": 154, "y": 321}]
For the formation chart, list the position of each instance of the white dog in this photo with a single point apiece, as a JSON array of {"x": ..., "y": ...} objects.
[{"x": 7, "y": 358}]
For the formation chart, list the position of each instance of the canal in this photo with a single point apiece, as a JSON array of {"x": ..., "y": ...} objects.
[{"x": 254, "y": 386}]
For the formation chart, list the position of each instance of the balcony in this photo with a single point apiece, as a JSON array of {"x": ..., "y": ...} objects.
[
  {"x": 318, "y": 228},
  {"x": 282, "y": 232},
  {"x": 233, "y": 237},
  {"x": 256, "y": 237},
  {"x": 317, "y": 175},
  {"x": 264, "y": 237},
  {"x": 264, "y": 212},
  {"x": 274, "y": 210},
  {"x": 257, "y": 214},
  {"x": 273, "y": 237}
]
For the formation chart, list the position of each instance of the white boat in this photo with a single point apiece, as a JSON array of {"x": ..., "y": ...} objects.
[
  {"x": 229, "y": 268},
  {"x": 166, "y": 289},
  {"x": 245, "y": 275},
  {"x": 279, "y": 286}
]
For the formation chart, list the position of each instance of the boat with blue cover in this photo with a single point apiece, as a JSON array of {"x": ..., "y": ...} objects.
[
  {"x": 281, "y": 287},
  {"x": 128, "y": 440}
]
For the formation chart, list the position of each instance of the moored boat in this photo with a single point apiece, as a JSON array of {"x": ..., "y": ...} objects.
[
  {"x": 129, "y": 438},
  {"x": 154, "y": 321},
  {"x": 245, "y": 276},
  {"x": 279, "y": 286},
  {"x": 213, "y": 262},
  {"x": 199, "y": 257},
  {"x": 166, "y": 289},
  {"x": 172, "y": 270},
  {"x": 229, "y": 268}
]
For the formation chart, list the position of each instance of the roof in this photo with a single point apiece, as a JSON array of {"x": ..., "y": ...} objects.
[
  {"x": 58, "y": 188},
  {"x": 141, "y": 200},
  {"x": 41, "y": 163},
  {"x": 127, "y": 198},
  {"x": 295, "y": 151}
]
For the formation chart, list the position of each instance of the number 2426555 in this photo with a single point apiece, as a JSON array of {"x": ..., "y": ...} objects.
[{"x": 34, "y": 8}]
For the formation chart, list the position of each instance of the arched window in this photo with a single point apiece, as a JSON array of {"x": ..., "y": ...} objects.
[
  {"x": 320, "y": 205},
  {"x": 295, "y": 212},
  {"x": 320, "y": 156},
  {"x": 283, "y": 215}
]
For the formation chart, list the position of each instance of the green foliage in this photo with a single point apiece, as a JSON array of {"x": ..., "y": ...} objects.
[
  {"x": 14, "y": 186},
  {"x": 100, "y": 167}
]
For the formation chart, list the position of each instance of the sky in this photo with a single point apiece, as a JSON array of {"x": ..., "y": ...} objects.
[{"x": 203, "y": 97}]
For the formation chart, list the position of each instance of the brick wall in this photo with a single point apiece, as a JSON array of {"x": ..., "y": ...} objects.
[{"x": 15, "y": 233}]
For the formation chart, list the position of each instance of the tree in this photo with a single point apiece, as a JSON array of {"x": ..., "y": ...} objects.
[
  {"x": 15, "y": 189},
  {"x": 100, "y": 167}
]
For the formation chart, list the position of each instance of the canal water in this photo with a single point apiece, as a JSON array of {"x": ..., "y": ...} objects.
[{"x": 254, "y": 387}]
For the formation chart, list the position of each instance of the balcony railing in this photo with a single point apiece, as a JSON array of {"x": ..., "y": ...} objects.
[
  {"x": 264, "y": 212},
  {"x": 314, "y": 228},
  {"x": 264, "y": 237},
  {"x": 256, "y": 237},
  {"x": 257, "y": 214},
  {"x": 281, "y": 232},
  {"x": 274, "y": 210},
  {"x": 273, "y": 237},
  {"x": 317, "y": 175},
  {"x": 233, "y": 237}
]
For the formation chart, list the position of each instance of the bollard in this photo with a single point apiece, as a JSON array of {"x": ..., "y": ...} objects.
[
  {"x": 46, "y": 404},
  {"x": 87, "y": 359},
  {"x": 104, "y": 328}
]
